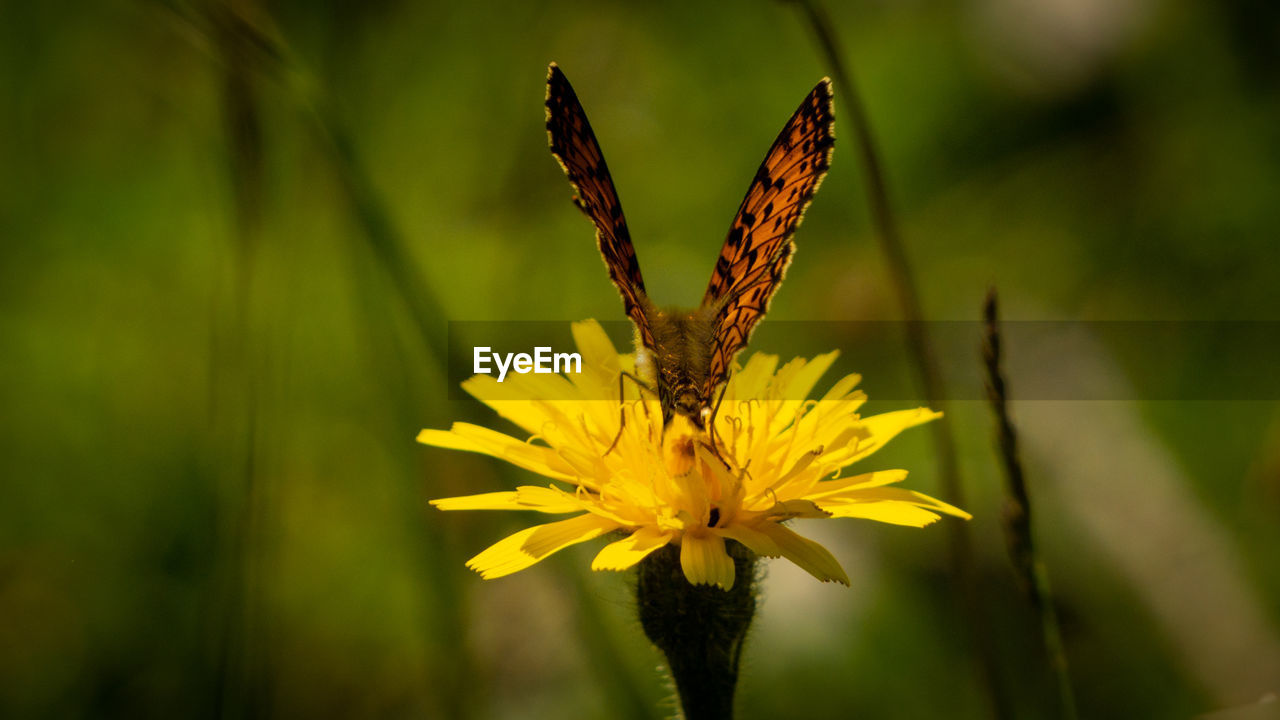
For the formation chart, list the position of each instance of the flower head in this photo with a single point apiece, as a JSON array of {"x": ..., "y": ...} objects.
[{"x": 769, "y": 456}]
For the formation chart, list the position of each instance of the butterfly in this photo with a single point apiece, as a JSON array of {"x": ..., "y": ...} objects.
[{"x": 688, "y": 354}]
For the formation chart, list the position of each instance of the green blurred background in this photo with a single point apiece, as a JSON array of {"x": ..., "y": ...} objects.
[{"x": 233, "y": 236}]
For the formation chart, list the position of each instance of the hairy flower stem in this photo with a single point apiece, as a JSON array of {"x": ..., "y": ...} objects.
[{"x": 700, "y": 628}]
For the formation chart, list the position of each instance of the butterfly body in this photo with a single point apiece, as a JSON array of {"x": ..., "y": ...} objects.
[
  {"x": 679, "y": 361},
  {"x": 687, "y": 354}
]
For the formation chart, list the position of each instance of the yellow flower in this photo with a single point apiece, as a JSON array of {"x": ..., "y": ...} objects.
[{"x": 779, "y": 457}]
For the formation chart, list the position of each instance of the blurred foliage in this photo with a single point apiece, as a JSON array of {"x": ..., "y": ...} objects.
[{"x": 233, "y": 236}]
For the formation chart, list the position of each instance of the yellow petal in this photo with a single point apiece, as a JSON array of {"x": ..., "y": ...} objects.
[
  {"x": 705, "y": 561},
  {"x": 630, "y": 550},
  {"x": 809, "y": 555},
  {"x": 546, "y": 405},
  {"x": 894, "y": 513},
  {"x": 583, "y": 463},
  {"x": 511, "y": 399},
  {"x": 751, "y": 380},
  {"x": 855, "y": 482},
  {"x": 474, "y": 438},
  {"x": 445, "y": 439},
  {"x": 793, "y": 384},
  {"x": 597, "y": 384},
  {"x": 795, "y": 508},
  {"x": 893, "y": 495},
  {"x": 757, "y": 542},
  {"x": 517, "y": 552},
  {"x": 885, "y": 426},
  {"x": 833, "y": 422},
  {"x": 798, "y": 385},
  {"x": 796, "y": 473},
  {"x": 537, "y": 458},
  {"x": 486, "y": 501},
  {"x": 542, "y": 499},
  {"x": 843, "y": 387},
  {"x": 599, "y": 357},
  {"x": 548, "y": 499}
]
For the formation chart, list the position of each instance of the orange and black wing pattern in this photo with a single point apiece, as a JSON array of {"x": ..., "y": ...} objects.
[
  {"x": 755, "y": 256},
  {"x": 574, "y": 145}
]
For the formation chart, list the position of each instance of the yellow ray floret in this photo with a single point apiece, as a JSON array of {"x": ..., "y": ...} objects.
[{"x": 777, "y": 456}]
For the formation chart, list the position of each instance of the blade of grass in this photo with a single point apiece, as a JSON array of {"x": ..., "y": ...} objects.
[
  {"x": 452, "y": 665},
  {"x": 1030, "y": 569},
  {"x": 242, "y": 669},
  {"x": 388, "y": 248}
]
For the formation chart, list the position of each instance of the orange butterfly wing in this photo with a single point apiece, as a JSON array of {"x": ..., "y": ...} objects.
[
  {"x": 755, "y": 256},
  {"x": 574, "y": 145}
]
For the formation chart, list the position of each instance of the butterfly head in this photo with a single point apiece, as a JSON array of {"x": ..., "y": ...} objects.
[
  {"x": 690, "y": 404},
  {"x": 680, "y": 396}
]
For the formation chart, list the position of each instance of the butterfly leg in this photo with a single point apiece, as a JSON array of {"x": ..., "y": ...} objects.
[
  {"x": 711, "y": 426},
  {"x": 622, "y": 413}
]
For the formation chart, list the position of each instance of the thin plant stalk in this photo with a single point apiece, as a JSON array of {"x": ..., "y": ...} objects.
[
  {"x": 1029, "y": 568},
  {"x": 242, "y": 39},
  {"x": 388, "y": 248},
  {"x": 919, "y": 345},
  {"x": 271, "y": 56},
  {"x": 242, "y": 671}
]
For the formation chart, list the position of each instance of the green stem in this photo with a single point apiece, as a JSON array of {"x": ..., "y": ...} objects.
[
  {"x": 242, "y": 669},
  {"x": 699, "y": 628},
  {"x": 1053, "y": 644}
]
